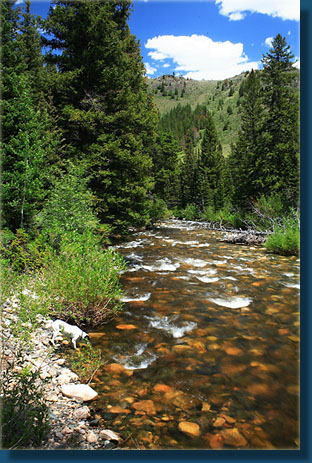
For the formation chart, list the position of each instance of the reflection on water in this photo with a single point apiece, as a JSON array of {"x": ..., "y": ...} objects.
[{"x": 205, "y": 354}]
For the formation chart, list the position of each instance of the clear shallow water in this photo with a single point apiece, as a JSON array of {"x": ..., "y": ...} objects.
[{"x": 209, "y": 336}]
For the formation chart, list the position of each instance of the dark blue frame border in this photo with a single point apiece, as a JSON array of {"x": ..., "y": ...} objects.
[{"x": 223, "y": 456}]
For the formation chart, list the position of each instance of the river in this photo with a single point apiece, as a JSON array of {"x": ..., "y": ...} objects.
[{"x": 206, "y": 352}]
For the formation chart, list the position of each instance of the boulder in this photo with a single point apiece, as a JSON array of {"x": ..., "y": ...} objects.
[
  {"x": 81, "y": 392},
  {"x": 107, "y": 434}
]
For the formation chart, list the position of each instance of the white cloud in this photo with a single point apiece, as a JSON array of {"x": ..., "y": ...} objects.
[
  {"x": 284, "y": 9},
  {"x": 268, "y": 41},
  {"x": 150, "y": 69},
  {"x": 166, "y": 65},
  {"x": 198, "y": 57},
  {"x": 156, "y": 55},
  {"x": 297, "y": 63},
  {"x": 18, "y": 2},
  {"x": 236, "y": 16}
]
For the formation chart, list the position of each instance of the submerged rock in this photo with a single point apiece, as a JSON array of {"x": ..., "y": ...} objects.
[{"x": 190, "y": 429}]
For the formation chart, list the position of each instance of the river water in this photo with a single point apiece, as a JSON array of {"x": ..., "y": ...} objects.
[{"x": 206, "y": 352}]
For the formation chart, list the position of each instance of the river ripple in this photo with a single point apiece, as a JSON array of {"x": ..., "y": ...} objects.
[{"x": 209, "y": 337}]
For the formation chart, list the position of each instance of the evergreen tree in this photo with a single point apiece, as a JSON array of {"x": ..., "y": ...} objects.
[
  {"x": 30, "y": 49},
  {"x": 166, "y": 166},
  {"x": 210, "y": 170},
  {"x": 245, "y": 158},
  {"x": 27, "y": 135},
  {"x": 280, "y": 159},
  {"x": 103, "y": 104},
  {"x": 24, "y": 155}
]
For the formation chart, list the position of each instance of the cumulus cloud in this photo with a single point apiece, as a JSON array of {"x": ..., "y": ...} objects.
[
  {"x": 237, "y": 9},
  {"x": 268, "y": 41},
  {"x": 199, "y": 57},
  {"x": 150, "y": 69}
]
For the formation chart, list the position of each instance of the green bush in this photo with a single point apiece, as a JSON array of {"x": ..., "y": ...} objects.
[
  {"x": 85, "y": 361},
  {"x": 24, "y": 413},
  {"x": 285, "y": 239},
  {"x": 81, "y": 281},
  {"x": 189, "y": 213},
  {"x": 158, "y": 210},
  {"x": 69, "y": 206},
  {"x": 25, "y": 254}
]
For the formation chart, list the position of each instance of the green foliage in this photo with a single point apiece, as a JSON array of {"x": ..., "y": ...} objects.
[
  {"x": 224, "y": 217},
  {"x": 24, "y": 413},
  {"x": 69, "y": 205},
  {"x": 280, "y": 151},
  {"x": 104, "y": 108},
  {"x": 189, "y": 213},
  {"x": 158, "y": 209},
  {"x": 81, "y": 281},
  {"x": 25, "y": 254},
  {"x": 210, "y": 169},
  {"x": 285, "y": 239},
  {"x": 8, "y": 280},
  {"x": 85, "y": 361}
]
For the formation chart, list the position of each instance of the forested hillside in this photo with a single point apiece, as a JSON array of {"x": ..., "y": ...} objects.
[{"x": 92, "y": 116}]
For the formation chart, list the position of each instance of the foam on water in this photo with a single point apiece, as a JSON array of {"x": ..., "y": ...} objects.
[
  {"x": 165, "y": 323},
  {"x": 138, "y": 360},
  {"x": 195, "y": 262},
  {"x": 164, "y": 265},
  {"x": 208, "y": 279},
  {"x": 232, "y": 302},
  {"x": 292, "y": 285},
  {"x": 143, "y": 297},
  {"x": 207, "y": 272}
]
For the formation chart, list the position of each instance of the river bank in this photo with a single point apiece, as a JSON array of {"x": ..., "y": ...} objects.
[{"x": 73, "y": 424}]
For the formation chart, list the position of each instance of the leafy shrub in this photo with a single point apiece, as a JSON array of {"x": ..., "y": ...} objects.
[
  {"x": 189, "y": 213},
  {"x": 224, "y": 217},
  {"x": 285, "y": 239},
  {"x": 24, "y": 413},
  {"x": 24, "y": 253},
  {"x": 85, "y": 361},
  {"x": 69, "y": 206},
  {"x": 82, "y": 280},
  {"x": 158, "y": 210}
]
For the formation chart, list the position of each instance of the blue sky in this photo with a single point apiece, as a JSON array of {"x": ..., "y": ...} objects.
[{"x": 208, "y": 39}]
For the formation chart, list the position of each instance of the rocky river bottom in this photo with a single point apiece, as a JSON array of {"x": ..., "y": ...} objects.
[
  {"x": 206, "y": 352},
  {"x": 204, "y": 356}
]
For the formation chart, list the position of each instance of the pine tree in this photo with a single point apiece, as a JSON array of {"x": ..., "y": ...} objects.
[
  {"x": 24, "y": 166},
  {"x": 245, "y": 158},
  {"x": 280, "y": 156},
  {"x": 28, "y": 138},
  {"x": 210, "y": 170},
  {"x": 166, "y": 167},
  {"x": 104, "y": 107}
]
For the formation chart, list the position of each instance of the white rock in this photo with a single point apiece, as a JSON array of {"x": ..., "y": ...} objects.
[
  {"x": 60, "y": 362},
  {"x": 109, "y": 435},
  {"x": 91, "y": 437},
  {"x": 82, "y": 413},
  {"x": 67, "y": 378},
  {"x": 79, "y": 391}
]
